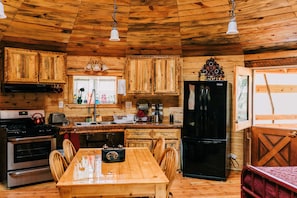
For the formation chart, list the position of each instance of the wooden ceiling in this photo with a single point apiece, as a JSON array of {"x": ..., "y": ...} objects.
[{"x": 162, "y": 27}]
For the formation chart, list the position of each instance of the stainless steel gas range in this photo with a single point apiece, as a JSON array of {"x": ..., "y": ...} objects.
[{"x": 25, "y": 145}]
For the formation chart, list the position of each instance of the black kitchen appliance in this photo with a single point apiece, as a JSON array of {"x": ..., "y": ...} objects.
[
  {"x": 206, "y": 129},
  {"x": 25, "y": 145}
]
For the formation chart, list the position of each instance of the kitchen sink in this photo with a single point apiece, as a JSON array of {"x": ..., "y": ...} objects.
[{"x": 92, "y": 123}]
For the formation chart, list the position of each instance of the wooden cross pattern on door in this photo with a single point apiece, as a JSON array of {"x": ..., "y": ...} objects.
[{"x": 273, "y": 150}]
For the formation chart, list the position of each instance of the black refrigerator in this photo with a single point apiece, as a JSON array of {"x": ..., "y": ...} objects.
[{"x": 206, "y": 129}]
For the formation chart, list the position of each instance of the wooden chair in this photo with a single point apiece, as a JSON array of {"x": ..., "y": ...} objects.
[
  {"x": 159, "y": 149},
  {"x": 57, "y": 164},
  {"x": 169, "y": 163},
  {"x": 69, "y": 150}
]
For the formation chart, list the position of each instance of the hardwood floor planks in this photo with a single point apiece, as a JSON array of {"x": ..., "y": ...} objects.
[{"x": 183, "y": 187}]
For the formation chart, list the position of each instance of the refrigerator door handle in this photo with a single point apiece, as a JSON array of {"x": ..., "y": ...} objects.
[{"x": 211, "y": 141}]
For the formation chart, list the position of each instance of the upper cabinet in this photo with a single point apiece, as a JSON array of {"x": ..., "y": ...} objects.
[
  {"x": 31, "y": 66},
  {"x": 20, "y": 66},
  {"x": 52, "y": 67},
  {"x": 139, "y": 75},
  {"x": 166, "y": 75},
  {"x": 153, "y": 75}
]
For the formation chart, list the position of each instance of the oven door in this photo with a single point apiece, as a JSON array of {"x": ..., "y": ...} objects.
[{"x": 29, "y": 152}]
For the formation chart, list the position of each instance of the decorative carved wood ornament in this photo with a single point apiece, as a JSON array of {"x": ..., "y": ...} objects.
[{"x": 211, "y": 71}]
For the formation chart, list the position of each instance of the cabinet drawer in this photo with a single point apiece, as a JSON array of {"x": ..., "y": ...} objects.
[
  {"x": 139, "y": 143},
  {"x": 138, "y": 134},
  {"x": 167, "y": 133}
]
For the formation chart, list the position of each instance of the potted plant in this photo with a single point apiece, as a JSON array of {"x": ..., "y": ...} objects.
[{"x": 79, "y": 98}]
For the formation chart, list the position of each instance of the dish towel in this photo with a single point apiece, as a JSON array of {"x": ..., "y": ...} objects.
[
  {"x": 191, "y": 101},
  {"x": 122, "y": 86}
]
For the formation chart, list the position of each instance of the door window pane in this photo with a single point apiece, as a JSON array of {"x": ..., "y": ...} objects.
[{"x": 275, "y": 97}]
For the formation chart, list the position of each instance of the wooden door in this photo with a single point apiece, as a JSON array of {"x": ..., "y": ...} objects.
[
  {"x": 273, "y": 147},
  {"x": 21, "y": 66},
  {"x": 52, "y": 67},
  {"x": 166, "y": 76},
  {"x": 139, "y": 75}
]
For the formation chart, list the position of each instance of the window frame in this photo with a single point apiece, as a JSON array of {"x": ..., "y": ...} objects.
[{"x": 70, "y": 94}]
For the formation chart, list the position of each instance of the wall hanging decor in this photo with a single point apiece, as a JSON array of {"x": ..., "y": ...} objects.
[{"x": 211, "y": 71}]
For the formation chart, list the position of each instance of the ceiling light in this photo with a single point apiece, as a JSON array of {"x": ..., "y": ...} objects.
[
  {"x": 114, "y": 34},
  {"x": 232, "y": 26},
  {"x": 2, "y": 14}
]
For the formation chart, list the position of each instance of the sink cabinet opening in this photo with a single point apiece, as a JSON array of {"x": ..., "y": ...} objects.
[{"x": 97, "y": 140}]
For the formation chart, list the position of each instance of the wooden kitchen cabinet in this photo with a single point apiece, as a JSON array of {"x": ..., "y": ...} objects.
[
  {"x": 52, "y": 67},
  {"x": 153, "y": 75},
  {"x": 273, "y": 147},
  {"x": 21, "y": 66},
  {"x": 148, "y": 138},
  {"x": 139, "y": 75},
  {"x": 32, "y": 66},
  {"x": 166, "y": 76}
]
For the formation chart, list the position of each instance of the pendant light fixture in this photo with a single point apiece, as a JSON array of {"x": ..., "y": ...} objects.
[
  {"x": 114, "y": 34},
  {"x": 232, "y": 26},
  {"x": 2, "y": 14}
]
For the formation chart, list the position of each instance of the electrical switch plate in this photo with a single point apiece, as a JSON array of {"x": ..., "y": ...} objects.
[
  {"x": 61, "y": 104},
  {"x": 128, "y": 105}
]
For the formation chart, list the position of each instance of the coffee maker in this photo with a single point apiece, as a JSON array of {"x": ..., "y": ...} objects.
[
  {"x": 142, "y": 110},
  {"x": 157, "y": 113}
]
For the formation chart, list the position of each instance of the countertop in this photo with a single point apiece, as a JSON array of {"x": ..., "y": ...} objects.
[{"x": 116, "y": 127}]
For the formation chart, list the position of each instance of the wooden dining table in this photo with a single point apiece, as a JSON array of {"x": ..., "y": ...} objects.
[{"x": 87, "y": 176}]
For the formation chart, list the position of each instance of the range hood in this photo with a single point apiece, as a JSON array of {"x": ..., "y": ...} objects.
[{"x": 31, "y": 88}]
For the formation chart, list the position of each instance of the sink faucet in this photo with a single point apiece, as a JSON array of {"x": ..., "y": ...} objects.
[{"x": 95, "y": 114}]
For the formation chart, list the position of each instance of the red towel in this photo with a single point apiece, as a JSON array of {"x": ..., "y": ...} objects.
[{"x": 74, "y": 138}]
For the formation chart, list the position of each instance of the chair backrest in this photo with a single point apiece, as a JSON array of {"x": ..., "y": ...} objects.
[
  {"x": 169, "y": 163},
  {"x": 69, "y": 150},
  {"x": 159, "y": 149},
  {"x": 57, "y": 164}
]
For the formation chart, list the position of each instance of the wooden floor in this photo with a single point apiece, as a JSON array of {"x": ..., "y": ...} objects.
[{"x": 183, "y": 187}]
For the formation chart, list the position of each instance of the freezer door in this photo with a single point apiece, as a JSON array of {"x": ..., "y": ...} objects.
[{"x": 205, "y": 159}]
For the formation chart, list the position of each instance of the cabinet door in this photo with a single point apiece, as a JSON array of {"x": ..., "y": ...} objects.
[
  {"x": 139, "y": 74},
  {"x": 52, "y": 67},
  {"x": 21, "y": 66},
  {"x": 166, "y": 76},
  {"x": 273, "y": 147}
]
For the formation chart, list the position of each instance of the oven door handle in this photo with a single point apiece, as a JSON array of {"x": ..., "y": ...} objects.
[
  {"x": 27, "y": 172},
  {"x": 30, "y": 138}
]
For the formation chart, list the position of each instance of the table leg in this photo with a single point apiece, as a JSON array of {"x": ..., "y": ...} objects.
[
  {"x": 65, "y": 193},
  {"x": 160, "y": 191}
]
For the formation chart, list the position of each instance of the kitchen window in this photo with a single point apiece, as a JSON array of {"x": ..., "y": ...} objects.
[{"x": 90, "y": 89}]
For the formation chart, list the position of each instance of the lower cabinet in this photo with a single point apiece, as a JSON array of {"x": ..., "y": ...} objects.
[{"x": 148, "y": 138}]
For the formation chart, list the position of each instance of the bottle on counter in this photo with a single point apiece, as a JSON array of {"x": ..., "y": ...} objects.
[{"x": 171, "y": 118}]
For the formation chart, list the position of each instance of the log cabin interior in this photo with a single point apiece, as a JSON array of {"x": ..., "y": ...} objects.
[{"x": 60, "y": 41}]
